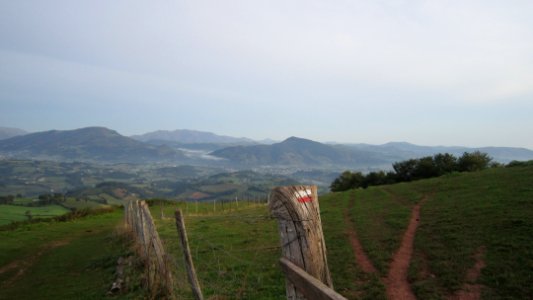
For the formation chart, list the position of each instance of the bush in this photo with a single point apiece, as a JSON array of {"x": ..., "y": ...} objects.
[
  {"x": 474, "y": 161},
  {"x": 421, "y": 168}
]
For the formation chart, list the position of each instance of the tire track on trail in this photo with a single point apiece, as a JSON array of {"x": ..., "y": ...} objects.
[
  {"x": 396, "y": 282},
  {"x": 360, "y": 255},
  {"x": 22, "y": 265}
]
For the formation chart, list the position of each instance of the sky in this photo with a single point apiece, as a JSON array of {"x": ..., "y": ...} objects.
[{"x": 426, "y": 72}]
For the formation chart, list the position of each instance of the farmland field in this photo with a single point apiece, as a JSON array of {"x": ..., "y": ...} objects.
[{"x": 14, "y": 213}]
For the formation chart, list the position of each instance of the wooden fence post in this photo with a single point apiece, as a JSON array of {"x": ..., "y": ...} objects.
[
  {"x": 191, "y": 272},
  {"x": 298, "y": 213}
]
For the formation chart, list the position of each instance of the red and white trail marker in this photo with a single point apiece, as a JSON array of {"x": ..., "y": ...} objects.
[{"x": 304, "y": 196}]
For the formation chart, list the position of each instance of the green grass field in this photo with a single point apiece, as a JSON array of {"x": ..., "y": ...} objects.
[
  {"x": 236, "y": 253},
  {"x": 492, "y": 210},
  {"x": 14, "y": 213},
  {"x": 236, "y": 249},
  {"x": 62, "y": 260}
]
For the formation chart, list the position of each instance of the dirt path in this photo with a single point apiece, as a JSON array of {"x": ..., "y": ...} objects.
[
  {"x": 22, "y": 265},
  {"x": 360, "y": 256},
  {"x": 470, "y": 290},
  {"x": 396, "y": 282}
]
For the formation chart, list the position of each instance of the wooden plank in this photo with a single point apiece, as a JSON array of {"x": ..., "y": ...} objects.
[
  {"x": 191, "y": 271},
  {"x": 308, "y": 285}
]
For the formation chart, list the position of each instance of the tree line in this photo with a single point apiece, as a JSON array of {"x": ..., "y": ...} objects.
[{"x": 415, "y": 169}]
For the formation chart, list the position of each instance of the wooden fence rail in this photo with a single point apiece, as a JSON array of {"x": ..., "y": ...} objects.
[
  {"x": 302, "y": 241},
  {"x": 308, "y": 285},
  {"x": 158, "y": 273}
]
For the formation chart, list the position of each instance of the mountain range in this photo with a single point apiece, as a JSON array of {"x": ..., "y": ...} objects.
[
  {"x": 297, "y": 152},
  {"x": 99, "y": 144}
]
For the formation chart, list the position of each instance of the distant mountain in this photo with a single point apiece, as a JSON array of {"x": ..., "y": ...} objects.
[
  {"x": 403, "y": 150},
  {"x": 8, "y": 132},
  {"x": 306, "y": 154},
  {"x": 185, "y": 136},
  {"x": 86, "y": 144},
  {"x": 302, "y": 153}
]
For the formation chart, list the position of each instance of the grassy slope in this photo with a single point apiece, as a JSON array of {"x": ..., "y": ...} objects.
[
  {"x": 463, "y": 212},
  {"x": 236, "y": 253},
  {"x": 491, "y": 209},
  {"x": 67, "y": 260}
]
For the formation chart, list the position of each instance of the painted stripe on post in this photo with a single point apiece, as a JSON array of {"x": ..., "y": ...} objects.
[{"x": 304, "y": 196}]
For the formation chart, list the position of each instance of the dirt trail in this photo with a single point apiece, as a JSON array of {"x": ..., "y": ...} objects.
[
  {"x": 360, "y": 256},
  {"x": 396, "y": 282},
  {"x": 22, "y": 265},
  {"x": 470, "y": 290}
]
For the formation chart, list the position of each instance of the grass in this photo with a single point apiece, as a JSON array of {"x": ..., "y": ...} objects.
[
  {"x": 347, "y": 278},
  {"x": 379, "y": 218},
  {"x": 463, "y": 213},
  {"x": 491, "y": 209},
  {"x": 15, "y": 213},
  {"x": 236, "y": 249},
  {"x": 236, "y": 253},
  {"x": 63, "y": 260}
]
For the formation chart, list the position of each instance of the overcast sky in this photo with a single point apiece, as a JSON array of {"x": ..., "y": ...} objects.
[{"x": 427, "y": 72}]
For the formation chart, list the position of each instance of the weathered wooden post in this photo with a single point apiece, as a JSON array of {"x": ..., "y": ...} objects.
[
  {"x": 298, "y": 213},
  {"x": 191, "y": 272}
]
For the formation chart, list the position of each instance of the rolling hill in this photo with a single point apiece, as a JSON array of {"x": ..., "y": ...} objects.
[
  {"x": 472, "y": 237},
  {"x": 302, "y": 153},
  {"x": 185, "y": 136},
  {"x": 86, "y": 144},
  {"x": 8, "y": 132},
  {"x": 403, "y": 151}
]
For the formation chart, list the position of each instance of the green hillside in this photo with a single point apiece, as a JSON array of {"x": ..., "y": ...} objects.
[
  {"x": 472, "y": 237},
  {"x": 76, "y": 259},
  {"x": 483, "y": 218},
  {"x": 487, "y": 214}
]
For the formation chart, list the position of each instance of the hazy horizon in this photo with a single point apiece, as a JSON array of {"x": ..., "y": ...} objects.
[
  {"x": 454, "y": 73},
  {"x": 277, "y": 140}
]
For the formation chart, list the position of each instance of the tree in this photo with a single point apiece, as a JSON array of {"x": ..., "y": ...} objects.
[
  {"x": 425, "y": 168},
  {"x": 405, "y": 169},
  {"x": 474, "y": 161},
  {"x": 7, "y": 199},
  {"x": 445, "y": 163},
  {"x": 374, "y": 178},
  {"x": 347, "y": 180}
]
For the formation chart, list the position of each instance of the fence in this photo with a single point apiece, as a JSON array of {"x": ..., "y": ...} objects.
[
  {"x": 158, "y": 272},
  {"x": 304, "y": 260}
]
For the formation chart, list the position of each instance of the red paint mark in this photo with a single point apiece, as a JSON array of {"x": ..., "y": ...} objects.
[
  {"x": 305, "y": 199},
  {"x": 304, "y": 196}
]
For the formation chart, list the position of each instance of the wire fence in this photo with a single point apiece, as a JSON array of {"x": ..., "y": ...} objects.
[
  {"x": 235, "y": 249},
  {"x": 140, "y": 223}
]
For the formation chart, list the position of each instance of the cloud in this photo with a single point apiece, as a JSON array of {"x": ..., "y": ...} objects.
[{"x": 377, "y": 62}]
